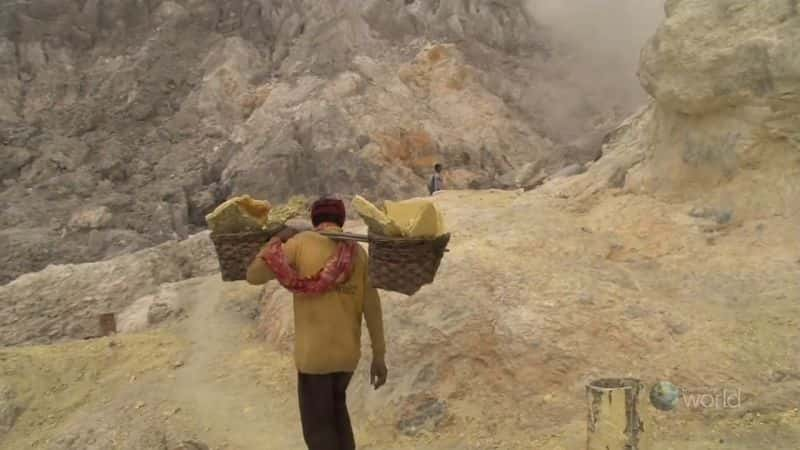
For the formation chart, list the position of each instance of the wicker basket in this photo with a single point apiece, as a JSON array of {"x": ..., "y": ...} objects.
[
  {"x": 405, "y": 265},
  {"x": 235, "y": 251}
]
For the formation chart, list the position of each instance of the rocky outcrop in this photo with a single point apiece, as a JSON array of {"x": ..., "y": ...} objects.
[
  {"x": 398, "y": 150},
  {"x": 64, "y": 301},
  {"x": 155, "y": 112},
  {"x": 723, "y": 126}
]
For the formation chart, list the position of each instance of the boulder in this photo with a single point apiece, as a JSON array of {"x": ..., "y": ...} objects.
[
  {"x": 160, "y": 312},
  {"x": 750, "y": 60},
  {"x": 169, "y": 12},
  {"x": 92, "y": 218},
  {"x": 735, "y": 109},
  {"x": 723, "y": 123},
  {"x": 14, "y": 159}
]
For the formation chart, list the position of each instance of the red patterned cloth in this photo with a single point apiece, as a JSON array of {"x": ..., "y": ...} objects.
[{"x": 336, "y": 271}]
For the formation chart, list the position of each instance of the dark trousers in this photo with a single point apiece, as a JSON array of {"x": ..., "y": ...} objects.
[{"x": 323, "y": 411}]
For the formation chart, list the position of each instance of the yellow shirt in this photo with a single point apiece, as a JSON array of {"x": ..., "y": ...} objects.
[{"x": 328, "y": 326}]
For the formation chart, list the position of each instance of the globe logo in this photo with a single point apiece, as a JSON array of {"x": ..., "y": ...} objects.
[{"x": 664, "y": 396}]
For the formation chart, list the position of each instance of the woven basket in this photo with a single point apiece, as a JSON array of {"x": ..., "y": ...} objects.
[
  {"x": 405, "y": 265},
  {"x": 235, "y": 251}
]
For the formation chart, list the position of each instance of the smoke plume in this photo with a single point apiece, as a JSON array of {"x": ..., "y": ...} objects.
[{"x": 597, "y": 46}]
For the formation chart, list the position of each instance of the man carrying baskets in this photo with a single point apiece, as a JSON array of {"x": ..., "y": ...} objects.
[{"x": 332, "y": 291}]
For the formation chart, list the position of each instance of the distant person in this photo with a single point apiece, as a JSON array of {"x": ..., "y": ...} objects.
[
  {"x": 332, "y": 291},
  {"x": 436, "y": 182}
]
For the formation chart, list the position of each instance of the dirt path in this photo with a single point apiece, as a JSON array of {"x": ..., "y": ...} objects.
[{"x": 234, "y": 410}]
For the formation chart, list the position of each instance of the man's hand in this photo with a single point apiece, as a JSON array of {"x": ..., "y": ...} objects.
[{"x": 378, "y": 373}]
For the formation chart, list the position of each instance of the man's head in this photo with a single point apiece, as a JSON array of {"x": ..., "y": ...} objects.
[
  {"x": 437, "y": 167},
  {"x": 328, "y": 210}
]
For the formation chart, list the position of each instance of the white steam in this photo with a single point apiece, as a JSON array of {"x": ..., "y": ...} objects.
[{"x": 598, "y": 43}]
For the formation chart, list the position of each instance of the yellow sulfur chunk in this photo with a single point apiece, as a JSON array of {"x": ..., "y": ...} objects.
[
  {"x": 257, "y": 209},
  {"x": 417, "y": 218},
  {"x": 239, "y": 214},
  {"x": 377, "y": 221},
  {"x": 279, "y": 215},
  {"x": 296, "y": 206}
]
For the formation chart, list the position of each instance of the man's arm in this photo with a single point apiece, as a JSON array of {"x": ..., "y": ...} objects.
[
  {"x": 258, "y": 272},
  {"x": 374, "y": 318}
]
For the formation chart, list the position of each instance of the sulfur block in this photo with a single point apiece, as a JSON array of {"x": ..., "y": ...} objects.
[
  {"x": 377, "y": 221},
  {"x": 417, "y": 218},
  {"x": 239, "y": 214}
]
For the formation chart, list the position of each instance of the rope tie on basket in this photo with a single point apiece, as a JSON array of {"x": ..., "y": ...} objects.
[{"x": 336, "y": 271}]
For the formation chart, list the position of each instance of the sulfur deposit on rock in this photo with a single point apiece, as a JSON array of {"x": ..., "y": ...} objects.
[{"x": 239, "y": 214}]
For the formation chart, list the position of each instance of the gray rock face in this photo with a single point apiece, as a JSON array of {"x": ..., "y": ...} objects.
[
  {"x": 76, "y": 294},
  {"x": 159, "y": 113},
  {"x": 90, "y": 218},
  {"x": 160, "y": 312},
  {"x": 570, "y": 170}
]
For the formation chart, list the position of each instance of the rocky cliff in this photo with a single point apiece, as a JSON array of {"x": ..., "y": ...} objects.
[
  {"x": 723, "y": 124},
  {"x": 123, "y": 122}
]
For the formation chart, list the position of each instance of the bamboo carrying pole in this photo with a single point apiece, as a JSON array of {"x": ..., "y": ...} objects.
[
  {"x": 345, "y": 236},
  {"x": 614, "y": 422},
  {"x": 351, "y": 237}
]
